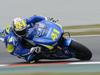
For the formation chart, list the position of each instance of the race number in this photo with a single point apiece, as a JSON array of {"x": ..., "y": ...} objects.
[{"x": 55, "y": 34}]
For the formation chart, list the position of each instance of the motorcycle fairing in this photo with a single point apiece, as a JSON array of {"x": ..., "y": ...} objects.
[
  {"x": 53, "y": 34},
  {"x": 67, "y": 42}
]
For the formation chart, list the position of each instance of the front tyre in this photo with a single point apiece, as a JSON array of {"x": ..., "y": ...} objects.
[{"x": 81, "y": 52}]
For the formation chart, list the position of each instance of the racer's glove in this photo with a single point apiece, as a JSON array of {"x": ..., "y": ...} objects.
[
  {"x": 35, "y": 49},
  {"x": 11, "y": 43}
]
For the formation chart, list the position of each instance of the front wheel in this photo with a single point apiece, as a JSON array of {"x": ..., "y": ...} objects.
[{"x": 81, "y": 52}]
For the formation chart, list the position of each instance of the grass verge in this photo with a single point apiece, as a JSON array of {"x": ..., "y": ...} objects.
[
  {"x": 78, "y": 32},
  {"x": 82, "y": 26}
]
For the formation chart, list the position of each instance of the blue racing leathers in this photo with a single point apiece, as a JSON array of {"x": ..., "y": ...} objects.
[
  {"x": 34, "y": 19},
  {"x": 15, "y": 44}
]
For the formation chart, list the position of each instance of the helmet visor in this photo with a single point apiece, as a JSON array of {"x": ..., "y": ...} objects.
[{"x": 21, "y": 33}]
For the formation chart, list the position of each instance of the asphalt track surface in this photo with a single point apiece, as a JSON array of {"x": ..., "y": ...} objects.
[
  {"x": 92, "y": 42},
  {"x": 11, "y": 65},
  {"x": 17, "y": 66}
]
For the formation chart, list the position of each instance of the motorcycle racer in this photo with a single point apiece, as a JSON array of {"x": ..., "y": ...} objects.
[
  {"x": 39, "y": 38},
  {"x": 17, "y": 35}
]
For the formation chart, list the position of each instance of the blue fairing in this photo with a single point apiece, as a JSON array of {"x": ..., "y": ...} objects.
[
  {"x": 67, "y": 42},
  {"x": 47, "y": 38}
]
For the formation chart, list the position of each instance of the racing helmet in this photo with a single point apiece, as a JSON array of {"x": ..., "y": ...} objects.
[{"x": 19, "y": 26}]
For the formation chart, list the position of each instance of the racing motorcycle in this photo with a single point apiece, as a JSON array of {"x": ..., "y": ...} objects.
[{"x": 55, "y": 43}]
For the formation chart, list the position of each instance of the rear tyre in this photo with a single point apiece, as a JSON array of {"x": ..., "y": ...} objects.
[{"x": 81, "y": 52}]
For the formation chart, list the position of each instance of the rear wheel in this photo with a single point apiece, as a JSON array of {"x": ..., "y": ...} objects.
[{"x": 81, "y": 52}]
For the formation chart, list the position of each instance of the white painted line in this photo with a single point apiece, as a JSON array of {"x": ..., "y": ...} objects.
[
  {"x": 83, "y": 63},
  {"x": 2, "y": 65},
  {"x": 71, "y": 63}
]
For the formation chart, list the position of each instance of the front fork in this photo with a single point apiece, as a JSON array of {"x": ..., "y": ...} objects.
[
  {"x": 66, "y": 44},
  {"x": 66, "y": 39}
]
